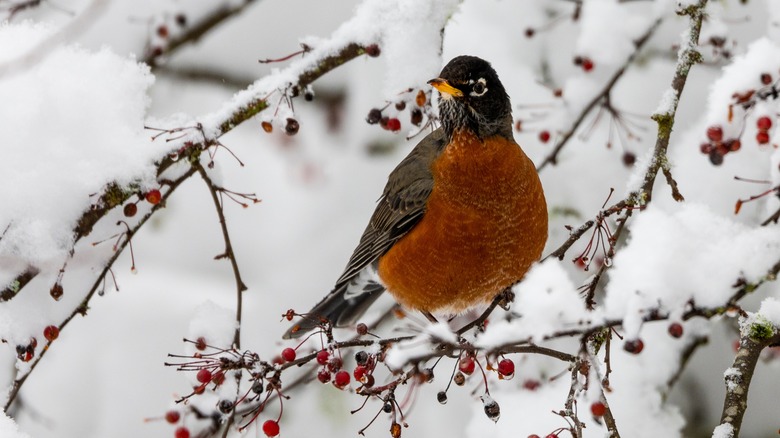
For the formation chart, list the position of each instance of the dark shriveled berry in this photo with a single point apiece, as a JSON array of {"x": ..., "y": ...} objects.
[
  {"x": 361, "y": 357},
  {"x": 492, "y": 409},
  {"x": 374, "y": 116},
  {"x": 416, "y": 117},
  {"x": 400, "y": 106},
  {"x": 441, "y": 396},
  {"x": 292, "y": 126},
  {"x": 459, "y": 379},
  {"x": 361, "y": 329},
  {"x": 56, "y": 291},
  {"x": 388, "y": 407},
  {"x": 716, "y": 158},
  {"x": 225, "y": 406}
]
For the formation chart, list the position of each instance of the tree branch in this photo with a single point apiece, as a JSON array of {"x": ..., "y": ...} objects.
[
  {"x": 194, "y": 32},
  {"x": 83, "y": 307}
]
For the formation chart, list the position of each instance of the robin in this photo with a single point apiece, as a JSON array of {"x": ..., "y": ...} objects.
[{"x": 462, "y": 217}]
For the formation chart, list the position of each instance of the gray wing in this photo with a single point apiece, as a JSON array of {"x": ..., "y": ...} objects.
[{"x": 400, "y": 207}]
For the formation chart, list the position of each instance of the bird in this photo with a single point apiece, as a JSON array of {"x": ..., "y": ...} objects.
[{"x": 460, "y": 219}]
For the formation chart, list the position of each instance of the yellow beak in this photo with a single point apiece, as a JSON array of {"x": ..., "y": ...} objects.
[{"x": 444, "y": 87}]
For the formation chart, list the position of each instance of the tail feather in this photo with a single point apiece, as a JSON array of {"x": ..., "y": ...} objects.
[{"x": 338, "y": 307}]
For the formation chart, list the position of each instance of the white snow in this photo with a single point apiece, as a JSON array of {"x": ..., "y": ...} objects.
[
  {"x": 546, "y": 302},
  {"x": 770, "y": 310},
  {"x": 76, "y": 124},
  {"x": 725, "y": 430},
  {"x": 692, "y": 254},
  {"x": 9, "y": 429}
]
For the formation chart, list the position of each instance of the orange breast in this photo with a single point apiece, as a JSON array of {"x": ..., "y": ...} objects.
[{"x": 485, "y": 224}]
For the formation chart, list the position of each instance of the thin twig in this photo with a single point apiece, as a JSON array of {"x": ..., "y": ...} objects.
[
  {"x": 83, "y": 307},
  {"x": 552, "y": 157},
  {"x": 194, "y": 32}
]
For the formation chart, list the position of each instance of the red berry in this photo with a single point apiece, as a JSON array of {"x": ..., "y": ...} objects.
[
  {"x": 506, "y": 367},
  {"x": 51, "y": 332},
  {"x": 341, "y": 380},
  {"x": 335, "y": 364},
  {"x": 359, "y": 372},
  {"x": 544, "y": 136},
  {"x": 598, "y": 409},
  {"x": 762, "y": 137},
  {"x": 634, "y": 346},
  {"x": 323, "y": 375},
  {"x": 552, "y": 435},
  {"x": 393, "y": 124},
  {"x": 766, "y": 78},
  {"x": 153, "y": 196},
  {"x": 162, "y": 31},
  {"x": 200, "y": 343},
  {"x": 172, "y": 416},
  {"x": 271, "y": 428},
  {"x": 322, "y": 357},
  {"x": 218, "y": 378},
  {"x": 288, "y": 354},
  {"x": 130, "y": 209},
  {"x": 587, "y": 64},
  {"x": 373, "y": 50},
  {"x": 182, "y": 432},
  {"x": 204, "y": 376},
  {"x": 675, "y": 330},
  {"x": 764, "y": 123},
  {"x": 361, "y": 329},
  {"x": 531, "y": 385},
  {"x": 534, "y": 436},
  {"x": 705, "y": 148},
  {"x": 734, "y": 145},
  {"x": 467, "y": 365},
  {"x": 715, "y": 133}
]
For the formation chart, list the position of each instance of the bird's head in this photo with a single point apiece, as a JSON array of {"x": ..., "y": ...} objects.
[{"x": 472, "y": 97}]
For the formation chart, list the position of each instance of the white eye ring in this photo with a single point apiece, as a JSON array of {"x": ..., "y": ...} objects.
[{"x": 479, "y": 88}]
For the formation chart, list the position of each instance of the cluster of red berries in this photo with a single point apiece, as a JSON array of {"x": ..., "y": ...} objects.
[
  {"x": 763, "y": 124},
  {"x": 26, "y": 353},
  {"x": 585, "y": 63},
  {"x": 717, "y": 148},
  {"x": 331, "y": 370},
  {"x": 163, "y": 32},
  {"x": 152, "y": 196},
  {"x": 393, "y": 123}
]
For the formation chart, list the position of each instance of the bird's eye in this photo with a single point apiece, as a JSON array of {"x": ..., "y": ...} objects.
[{"x": 479, "y": 88}]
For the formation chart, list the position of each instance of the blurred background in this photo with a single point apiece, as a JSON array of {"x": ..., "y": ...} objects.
[{"x": 105, "y": 376}]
